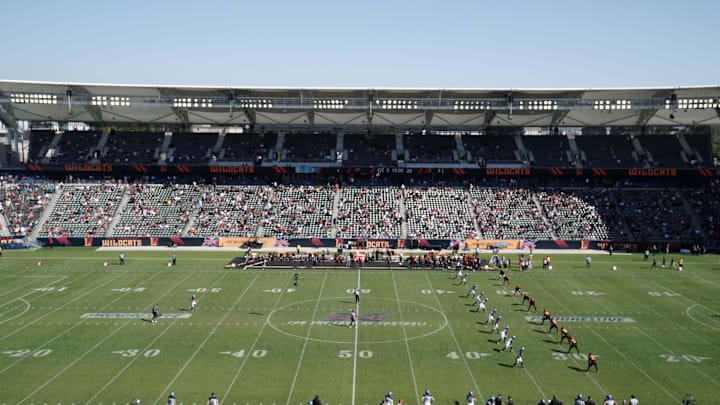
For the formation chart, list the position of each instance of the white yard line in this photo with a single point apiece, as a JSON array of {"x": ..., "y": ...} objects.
[
  {"x": 62, "y": 306},
  {"x": 212, "y": 332},
  {"x": 407, "y": 345},
  {"x": 119, "y": 373},
  {"x": 534, "y": 382},
  {"x": 457, "y": 344},
  {"x": 63, "y": 333},
  {"x": 257, "y": 338},
  {"x": 609, "y": 344},
  {"x": 302, "y": 353},
  {"x": 357, "y": 331},
  {"x": 27, "y": 308},
  {"x": 30, "y": 282}
]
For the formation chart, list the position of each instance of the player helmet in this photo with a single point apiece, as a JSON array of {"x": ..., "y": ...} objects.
[
  {"x": 390, "y": 393},
  {"x": 522, "y": 349},
  {"x": 609, "y": 396},
  {"x": 499, "y": 317},
  {"x": 427, "y": 392},
  {"x": 470, "y": 393},
  {"x": 513, "y": 336},
  {"x": 494, "y": 309},
  {"x": 579, "y": 396},
  {"x": 172, "y": 394}
]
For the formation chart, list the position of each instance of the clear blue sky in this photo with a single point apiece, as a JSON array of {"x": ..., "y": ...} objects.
[{"x": 364, "y": 43}]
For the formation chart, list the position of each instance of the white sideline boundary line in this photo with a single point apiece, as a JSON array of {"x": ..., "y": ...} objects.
[
  {"x": 119, "y": 373},
  {"x": 452, "y": 333},
  {"x": 302, "y": 353},
  {"x": 67, "y": 330},
  {"x": 609, "y": 345},
  {"x": 663, "y": 346},
  {"x": 257, "y": 338},
  {"x": 357, "y": 331},
  {"x": 64, "y": 305},
  {"x": 407, "y": 345},
  {"x": 212, "y": 332}
]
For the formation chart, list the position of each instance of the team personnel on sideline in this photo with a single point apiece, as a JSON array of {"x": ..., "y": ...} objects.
[
  {"x": 213, "y": 400},
  {"x": 155, "y": 313},
  {"x": 519, "y": 358},
  {"x": 174, "y": 259},
  {"x": 482, "y": 305},
  {"x": 171, "y": 399},
  {"x": 503, "y": 334},
  {"x": 591, "y": 362},
  {"x": 553, "y": 325},
  {"x": 508, "y": 344},
  {"x": 193, "y": 302},
  {"x": 518, "y": 290},
  {"x": 532, "y": 305},
  {"x": 573, "y": 343},
  {"x": 470, "y": 398},
  {"x": 297, "y": 276},
  {"x": 427, "y": 398},
  {"x": 352, "y": 318},
  {"x": 588, "y": 262},
  {"x": 122, "y": 258},
  {"x": 546, "y": 316},
  {"x": 564, "y": 334},
  {"x": 491, "y": 316}
]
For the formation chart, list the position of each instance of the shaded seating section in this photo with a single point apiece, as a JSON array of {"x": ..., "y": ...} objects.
[
  {"x": 133, "y": 147},
  {"x": 310, "y": 147},
  {"x": 84, "y": 210},
  {"x": 300, "y": 212},
  {"x": 158, "y": 209},
  {"x": 38, "y": 140},
  {"x": 572, "y": 215},
  {"x": 702, "y": 144},
  {"x": 233, "y": 211},
  {"x": 665, "y": 150},
  {"x": 369, "y": 150},
  {"x": 491, "y": 148},
  {"x": 655, "y": 215},
  {"x": 706, "y": 204},
  {"x": 246, "y": 147},
  {"x": 191, "y": 148},
  {"x": 607, "y": 151},
  {"x": 548, "y": 151},
  {"x": 369, "y": 212},
  {"x": 22, "y": 202},
  {"x": 438, "y": 213},
  {"x": 607, "y": 208},
  {"x": 430, "y": 148},
  {"x": 508, "y": 214},
  {"x": 75, "y": 146}
]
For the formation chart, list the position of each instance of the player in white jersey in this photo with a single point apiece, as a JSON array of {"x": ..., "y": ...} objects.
[
  {"x": 427, "y": 398},
  {"x": 470, "y": 398},
  {"x": 472, "y": 291},
  {"x": 491, "y": 316},
  {"x": 458, "y": 275},
  {"x": 519, "y": 358},
  {"x": 496, "y": 325},
  {"x": 508, "y": 344},
  {"x": 171, "y": 399},
  {"x": 464, "y": 279},
  {"x": 388, "y": 399},
  {"x": 193, "y": 302},
  {"x": 479, "y": 297},
  {"x": 213, "y": 400},
  {"x": 482, "y": 305},
  {"x": 503, "y": 334}
]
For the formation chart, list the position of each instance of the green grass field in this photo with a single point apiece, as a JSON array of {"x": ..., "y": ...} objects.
[{"x": 256, "y": 338}]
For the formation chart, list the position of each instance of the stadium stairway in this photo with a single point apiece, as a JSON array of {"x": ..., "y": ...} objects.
[
  {"x": 403, "y": 213},
  {"x": 49, "y": 208},
  {"x": 100, "y": 146},
  {"x": 4, "y": 230},
  {"x": 190, "y": 223},
  {"x": 575, "y": 151},
  {"x": 261, "y": 226},
  {"x": 693, "y": 215},
  {"x": 468, "y": 199},
  {"x": 544, "y": 218},
  {"x": 689, "y": 151},
  {"x": 118, "y": 212},
  {"x": 336, "y": 205}
]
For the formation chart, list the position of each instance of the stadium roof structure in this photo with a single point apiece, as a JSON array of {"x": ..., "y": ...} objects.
[{"x": 339, "y": 108}]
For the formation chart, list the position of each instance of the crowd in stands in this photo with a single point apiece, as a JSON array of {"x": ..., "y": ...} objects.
[
  {"x": 133, "y": 147},
  {"x": 706, "y": 205},
  {"x": 438, "y": 213},
  {"x": 369, "y": 212},
  {"x": 571, "y": 217},
  {"x": 235, "y": 211},
  {"x": 656, "y": 216},
  {"x": 508, "y": 214},
  {"x": 300, "y": 211},
  {"x": 75, "y": 146},
  {"x": 83, "y": 210},
  {"x": 23, "y": 201},
  {"x": 191, "y": 148}
]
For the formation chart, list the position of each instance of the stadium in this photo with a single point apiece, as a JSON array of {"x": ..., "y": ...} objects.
[{"x": 271, "y": 206}]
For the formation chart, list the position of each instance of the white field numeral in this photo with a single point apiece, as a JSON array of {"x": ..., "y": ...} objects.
[
  {"x": 27, "y": 352},
  {"x": 469, "y": 355},
  {"x": 363, "y": 354},
  {"x": 671, "y": 358},
  {"x": 48, "y": 289},
  {"x": 660, "y": 294},
  {"x": 590, "y": 293},
  {"x": 135, "y": 352},
  {"x": 437, "y": 292},
  {"x": 564, "y": 356},
  {"x": 129, "y": 289},
  {"x": 241, "y": 353},
  {"x": 362, "y": 290},
  {"x": 203, "y": 289}
]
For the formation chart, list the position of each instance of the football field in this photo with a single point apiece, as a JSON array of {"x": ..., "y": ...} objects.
[{"x": 75, "y": 331}]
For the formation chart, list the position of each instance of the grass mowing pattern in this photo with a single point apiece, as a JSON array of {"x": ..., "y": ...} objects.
[{"x": 256, "y": 338}]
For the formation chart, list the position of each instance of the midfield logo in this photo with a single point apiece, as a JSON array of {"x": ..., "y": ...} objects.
[{"x": 345, "y": 317}]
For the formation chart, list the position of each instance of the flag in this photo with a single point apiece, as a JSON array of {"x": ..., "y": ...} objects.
[
  {"x": 210, "y": 242},
  {"x": 527, "y": 244},
  {"x": 281, "y": 243}
]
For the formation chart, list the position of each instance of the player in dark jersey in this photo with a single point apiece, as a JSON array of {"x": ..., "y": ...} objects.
[
  {"x": 519, "y": 358},
  {"x": 297, "y": 276},
  {"x": 518, "y": 290},
  {"x": 546, "y": 316},
  {"x": 553, "y": 325},
  {"x": 501, "y": 274},
  {"x": 532, "y": 305},
  {"x": 352, "y": 318},
  {"x": 564, "y": 334},
  {"x": 155, "y": 313},
  {"x": 573, "y": 343},
  {"x": 592, "y": 362},
  {"x": 506, "y": 280},
  {"x": 526, "y": 297}
]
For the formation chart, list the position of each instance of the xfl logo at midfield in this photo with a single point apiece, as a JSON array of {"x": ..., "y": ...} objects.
[{"x": 345, "y": 317}]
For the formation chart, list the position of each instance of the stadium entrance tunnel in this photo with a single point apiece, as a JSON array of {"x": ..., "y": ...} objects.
[{"x": 380, "y": 320}]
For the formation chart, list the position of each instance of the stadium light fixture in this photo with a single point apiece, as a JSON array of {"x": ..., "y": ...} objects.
[
  {"x": 329, "y": 104},
  {"x": 695, "y": 103},
  {"x": 612, "y": 105},
  {"x": 189, "y": 102},
  {"x": 256, "y": 103},
  {"x": 113, "y": 101},
  {"x": 538, "y": 105},
  {"x": 397, "y": 104},
  {"x": 25, "y": 98},
  {"x": 464, "y": 105}
]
